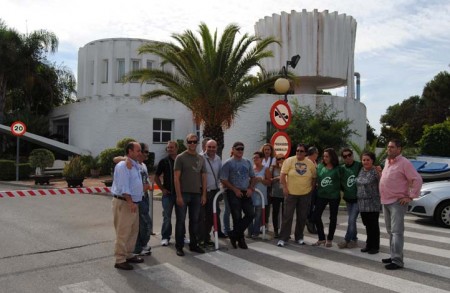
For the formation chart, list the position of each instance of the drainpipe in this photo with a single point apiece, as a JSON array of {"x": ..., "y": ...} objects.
[{"x": 358, "y": 85}]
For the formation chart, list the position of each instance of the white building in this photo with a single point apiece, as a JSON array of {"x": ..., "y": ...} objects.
[{"x": 108, "y": 110}]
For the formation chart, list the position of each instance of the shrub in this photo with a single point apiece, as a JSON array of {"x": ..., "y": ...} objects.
[
  {"x": 121, "y": 144},
  {"x": 435, "y": 140},
  {"x": 41, "y": 158},
  {"x": 106, "y": 159},
  {"x": 7, "y": 170},
  {"x": 74, "y": 169},
  {"x": 25, "y": 170},
  {"x": 181, "y": 146}
]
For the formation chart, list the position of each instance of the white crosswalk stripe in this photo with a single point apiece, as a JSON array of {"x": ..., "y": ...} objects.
[
  {"x": 418, "y": 226},
  {"x": 96, "y": 285},
  {"x": 176, "y": 280},
  {"x": 260, "y": 274},
  {"x": 417, "y": 265},
  {"x": 407, "y": 246},
  {"x": 416, "y": 235},
  {"x": 343, "y": 270}
]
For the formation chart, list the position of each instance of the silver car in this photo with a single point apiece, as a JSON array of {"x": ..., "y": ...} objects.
[{"x": 433, "y": 202}]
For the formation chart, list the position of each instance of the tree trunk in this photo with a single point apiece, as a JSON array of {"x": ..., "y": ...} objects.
[{"x": 216, "y": 133}]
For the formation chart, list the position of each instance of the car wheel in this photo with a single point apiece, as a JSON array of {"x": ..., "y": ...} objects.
[{"x": 442, "y": 214}]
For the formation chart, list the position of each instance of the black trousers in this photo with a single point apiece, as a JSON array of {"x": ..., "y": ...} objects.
[
  {"x": 237, "y": 206},
  {"x": 370, "y": 220}
]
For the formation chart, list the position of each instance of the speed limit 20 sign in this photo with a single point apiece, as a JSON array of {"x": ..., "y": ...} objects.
[{"x": 18, "y": 128}]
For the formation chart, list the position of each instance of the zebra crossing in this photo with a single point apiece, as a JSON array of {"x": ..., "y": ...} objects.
[{"x": 264, "y": 267}]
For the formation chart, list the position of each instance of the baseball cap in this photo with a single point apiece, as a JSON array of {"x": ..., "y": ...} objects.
[{"x": 237, "y": 143}]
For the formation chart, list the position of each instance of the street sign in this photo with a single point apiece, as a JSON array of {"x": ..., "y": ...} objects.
[
  {"x": 280, "y": 115},
  {"x": 18, "y": 128},
  {"x": 281, "y": 143}
]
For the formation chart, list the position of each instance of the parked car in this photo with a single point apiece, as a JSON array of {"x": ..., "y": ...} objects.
[{"x": 433, "y": 202}]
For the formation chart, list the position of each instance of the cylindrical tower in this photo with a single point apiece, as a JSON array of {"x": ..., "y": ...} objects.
[{"x": 325, "y": 42}]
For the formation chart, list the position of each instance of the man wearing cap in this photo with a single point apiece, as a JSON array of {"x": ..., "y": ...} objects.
[
  {"x": 127, "y": 190},
  {"x": 238, "y": 177},
  {"x": 190, "y": 188}
]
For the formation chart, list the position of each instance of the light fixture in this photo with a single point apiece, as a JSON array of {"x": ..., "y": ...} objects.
[{"x": 282, "y": 84}]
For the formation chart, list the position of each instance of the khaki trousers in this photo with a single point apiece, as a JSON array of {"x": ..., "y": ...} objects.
[{"x": 126, "y": 225}]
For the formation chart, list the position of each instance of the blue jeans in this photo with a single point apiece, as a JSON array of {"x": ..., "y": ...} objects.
[
  {"x": 191, "y": 201},
  {"x": 168, "y": 201},
  {"x": 144, "y": 225},
  {"x": 255, "y": 225},
  {"x": 394, "y": 218},
  {"x": 352, "y": 211},
  {"x": 237, "y": 206}
]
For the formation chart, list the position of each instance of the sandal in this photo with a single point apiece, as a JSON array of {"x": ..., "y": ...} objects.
[
  {"x": 329, "y": 243},
  {"x": 319, "y": 243}
]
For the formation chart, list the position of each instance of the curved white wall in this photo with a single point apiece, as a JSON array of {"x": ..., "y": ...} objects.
[{"x": 325, "y": 42}]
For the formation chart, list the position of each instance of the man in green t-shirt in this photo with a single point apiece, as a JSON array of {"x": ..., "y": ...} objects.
[{"x": 351, "y": 170}]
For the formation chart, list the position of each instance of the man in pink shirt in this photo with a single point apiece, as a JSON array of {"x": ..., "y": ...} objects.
[{"x": 399, "y": 184}]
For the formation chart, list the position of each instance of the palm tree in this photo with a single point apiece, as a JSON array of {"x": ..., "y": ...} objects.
[
  {"x": 22, "y": 59},
  {"x": 211, "y": 76}
]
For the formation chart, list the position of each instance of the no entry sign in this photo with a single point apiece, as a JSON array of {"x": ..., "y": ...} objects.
[
  {"x": 18, "y": 128},
  {"x": 281, "y": 143},
  {"x": 280, "y": 115}
]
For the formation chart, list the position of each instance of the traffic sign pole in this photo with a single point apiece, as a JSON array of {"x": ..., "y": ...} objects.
[
  {"x": 18, "y": 128},
  {"x": 17, "y": 159}
]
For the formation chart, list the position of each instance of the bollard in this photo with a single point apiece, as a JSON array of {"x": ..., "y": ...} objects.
[{"x": 216, "y": 233}]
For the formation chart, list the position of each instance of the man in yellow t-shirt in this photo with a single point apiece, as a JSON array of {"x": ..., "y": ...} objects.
[{"x": 298, "y": 176}]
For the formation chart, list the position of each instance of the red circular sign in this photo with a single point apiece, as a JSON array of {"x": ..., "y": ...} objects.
[
  {"x": 18, "y": 128},
  {"x": 281, "y": 143},
  {"x": 280, "y": 114}
]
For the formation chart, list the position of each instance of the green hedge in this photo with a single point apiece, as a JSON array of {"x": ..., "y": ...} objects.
[
  {"x": 106, "y": 159},
  {"x": 8, "y": 170}
]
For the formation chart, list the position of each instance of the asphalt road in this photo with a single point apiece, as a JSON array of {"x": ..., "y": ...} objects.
[{"x": 64, "y": 243}]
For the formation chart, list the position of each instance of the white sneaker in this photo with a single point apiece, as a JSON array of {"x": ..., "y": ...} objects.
[
  {"x": 280, "y": 243},
  {"x": 147, "y": 250},
  {"x": 165, "y": 242},
  {"x": 187, "y": 241},
  {"x": 301, "y": 242}
]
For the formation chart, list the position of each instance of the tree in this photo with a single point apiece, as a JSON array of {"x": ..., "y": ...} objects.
[
  {"x": 28, "y": 82},
  {"x": 435, "y": 140},
  {"x": 321, "y": 128},
  {"x": 370, "y": 133},
  {"x": 409, "y": 118},
  {"x": 211, "y": 77}
]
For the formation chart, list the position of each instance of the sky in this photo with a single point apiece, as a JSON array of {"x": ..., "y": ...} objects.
[{"x": 400, "y": 45}]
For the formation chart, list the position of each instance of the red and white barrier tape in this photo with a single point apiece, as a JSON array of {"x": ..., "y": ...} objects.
[{"x": 56, "y": 191}]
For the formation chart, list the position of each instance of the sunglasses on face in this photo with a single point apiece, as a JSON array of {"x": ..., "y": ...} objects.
[
  {"x": 300, "y": 151},
  {"x": 346, "y": 156},
  {"x": 192, "y": 142},
  {"x": 239, "y": 149}
]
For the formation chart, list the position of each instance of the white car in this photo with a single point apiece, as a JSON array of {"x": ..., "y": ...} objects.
[{"x": 433, "y": 202}]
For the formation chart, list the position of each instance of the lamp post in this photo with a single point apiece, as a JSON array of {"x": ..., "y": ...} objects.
[{"x": 282, "y": 84}]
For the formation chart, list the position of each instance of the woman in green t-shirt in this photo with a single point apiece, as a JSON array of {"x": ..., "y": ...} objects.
[{"x": 328, "y": 193}]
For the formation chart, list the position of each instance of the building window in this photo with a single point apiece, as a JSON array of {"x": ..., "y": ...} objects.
[
  {"x": 162, "y": 130},
  {"x": 105, "y": 68},
  {"x": 120, "y": 69},
  {"x": 135, "y": 64},
  {"x": 150, "y": 67}
]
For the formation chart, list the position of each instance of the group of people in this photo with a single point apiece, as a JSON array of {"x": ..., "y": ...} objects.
[{"x": 298, "y": 184}]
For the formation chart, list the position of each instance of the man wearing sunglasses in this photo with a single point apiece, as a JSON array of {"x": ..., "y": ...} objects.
[
  {"x": 351, "y": 168},
  {"x": 238, "y": 177},
  {"x": 190, "y": 188}
]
